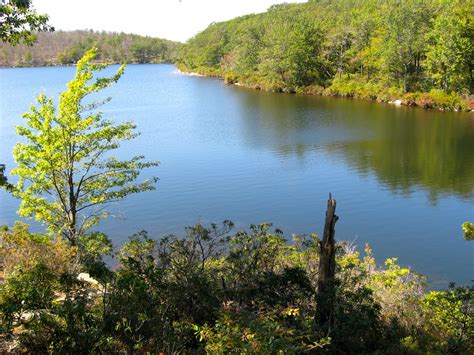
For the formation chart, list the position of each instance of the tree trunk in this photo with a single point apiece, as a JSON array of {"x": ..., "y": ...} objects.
[{"x": 327, "y": 268}]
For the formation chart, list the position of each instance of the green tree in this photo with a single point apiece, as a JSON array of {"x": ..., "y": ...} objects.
[
  {"x": 64, "y": 180},
  {"x": 291, "y": 53},
  {"x": 210, "y": 48},
  {"x": 450, "y": 56},
  {"x": 405, "y": 41},
  {"x": 249, "y": 44},
  {"x": 141, "y": 51},
  {"x": 340, "y": 45},
  {"x": 19, "y": 21}
]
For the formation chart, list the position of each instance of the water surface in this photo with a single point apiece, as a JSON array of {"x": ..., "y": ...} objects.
[{"x": 403, "y": 178}]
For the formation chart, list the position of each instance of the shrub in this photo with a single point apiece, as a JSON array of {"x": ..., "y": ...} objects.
[
  {"x": 20, "y": 249},
  {"x": 450, "y": 320},
  {"x": 250, "y": 291}
]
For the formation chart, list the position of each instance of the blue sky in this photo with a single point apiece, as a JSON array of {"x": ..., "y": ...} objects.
[{"x": 172, "y": 19}]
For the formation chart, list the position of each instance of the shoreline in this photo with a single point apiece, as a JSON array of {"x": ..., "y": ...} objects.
[{"x": 424, "y": 100}]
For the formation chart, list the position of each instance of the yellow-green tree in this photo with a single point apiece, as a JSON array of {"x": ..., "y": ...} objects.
[
  {"x": 18, "y": 21},
  {"x": 64, "y": 180}
]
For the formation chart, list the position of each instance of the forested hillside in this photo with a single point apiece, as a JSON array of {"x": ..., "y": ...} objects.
[
  {"x": 61, "y": 48},
  {"x": 421, "y": 51}
]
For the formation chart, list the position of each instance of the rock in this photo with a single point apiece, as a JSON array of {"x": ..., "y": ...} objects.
[
  {"x": 396, "y": 102},
  {"x": 83, "y": 276},
  {"x": 26, "y": 316},
  {"x": 179, "y": 72}
]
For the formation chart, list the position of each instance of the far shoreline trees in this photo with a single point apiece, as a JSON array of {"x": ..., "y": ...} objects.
[{"x": 67, "y": 47}]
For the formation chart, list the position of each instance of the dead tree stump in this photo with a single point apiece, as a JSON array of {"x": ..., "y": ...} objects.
[{"x": 327, "y": 268}]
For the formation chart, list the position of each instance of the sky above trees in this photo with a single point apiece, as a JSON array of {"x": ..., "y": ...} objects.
[{"x": 171, "y": 19}]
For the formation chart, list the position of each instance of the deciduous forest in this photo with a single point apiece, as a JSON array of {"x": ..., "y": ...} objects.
[
  {"x": 63, "y": 48},
  {"x": 421, "y": 52}
]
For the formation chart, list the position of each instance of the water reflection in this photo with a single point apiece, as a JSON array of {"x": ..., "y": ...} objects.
[{"x": 406, "y": 149}]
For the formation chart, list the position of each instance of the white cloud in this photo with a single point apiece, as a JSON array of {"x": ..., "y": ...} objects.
[{"x": 171, "y": 19}]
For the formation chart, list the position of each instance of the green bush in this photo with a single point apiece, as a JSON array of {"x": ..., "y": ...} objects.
[
  {"x": 450, "y": 320},
  {"x": 215, "y": 291}
]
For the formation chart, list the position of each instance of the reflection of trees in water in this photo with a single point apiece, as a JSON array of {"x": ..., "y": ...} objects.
[
  {"x": 435, "y": 154},
  {"x": 404, "y": 148}
]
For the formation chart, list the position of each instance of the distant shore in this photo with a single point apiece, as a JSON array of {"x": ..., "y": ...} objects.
[{"x": 46, "y": 65}]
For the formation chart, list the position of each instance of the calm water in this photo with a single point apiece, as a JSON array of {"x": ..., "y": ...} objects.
[{"x": 403, "y": 178}]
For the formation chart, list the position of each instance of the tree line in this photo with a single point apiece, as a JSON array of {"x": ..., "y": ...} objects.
[
  {"x": 67, "y": 47},
  {"x": 422, "y": 51}
]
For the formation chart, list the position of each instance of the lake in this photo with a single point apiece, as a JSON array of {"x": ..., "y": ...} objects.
[{"x": 403, "y": 178}]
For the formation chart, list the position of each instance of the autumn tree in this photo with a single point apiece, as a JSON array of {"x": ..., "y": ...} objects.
[{"x": 65, "y": 182}]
